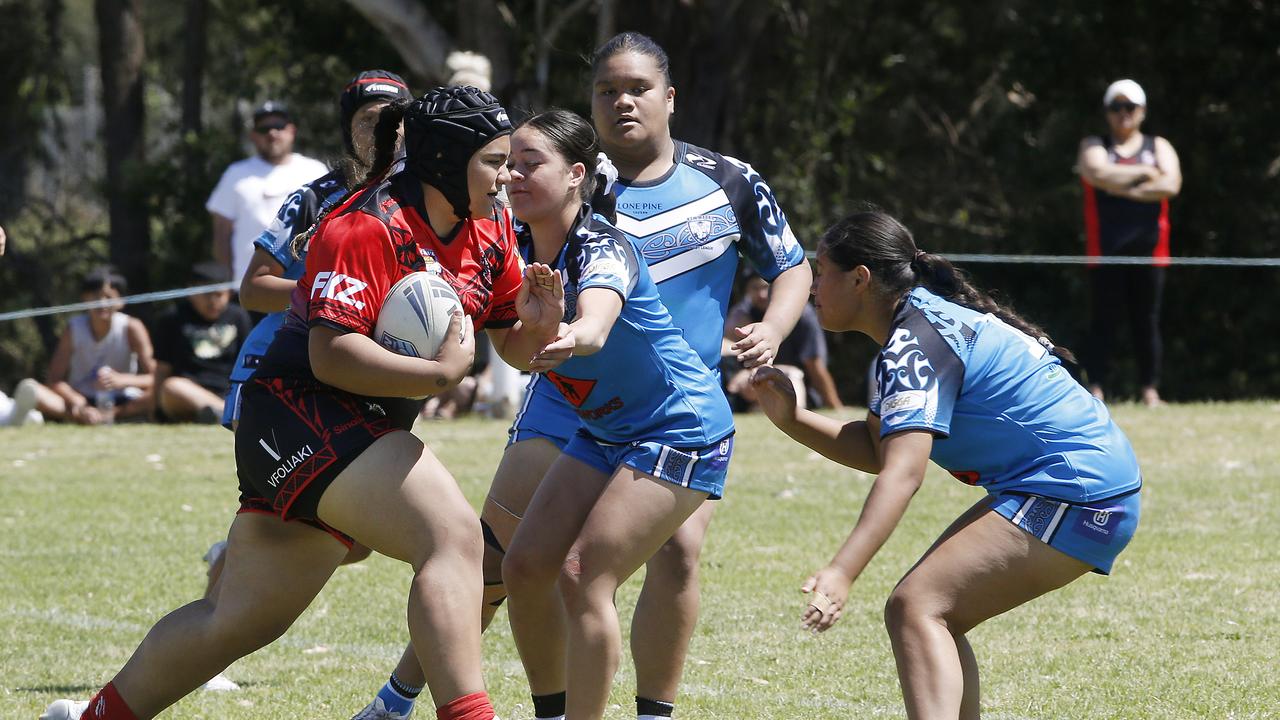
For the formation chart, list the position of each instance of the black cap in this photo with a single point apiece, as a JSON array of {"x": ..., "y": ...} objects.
[
  {"x": 367, "y": 87},
  {"x": 272, "y": 107}
]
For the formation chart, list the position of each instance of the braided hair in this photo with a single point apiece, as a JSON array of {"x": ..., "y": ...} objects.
[
  {"x": 386, "y": 141},
  {"x": 873, "y": 238}
]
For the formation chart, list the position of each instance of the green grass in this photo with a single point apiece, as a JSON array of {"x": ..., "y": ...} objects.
[{"x": 103, "y": 530}]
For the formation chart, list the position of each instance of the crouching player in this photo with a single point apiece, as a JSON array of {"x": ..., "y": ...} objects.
[{"x": 967, "y": 383}]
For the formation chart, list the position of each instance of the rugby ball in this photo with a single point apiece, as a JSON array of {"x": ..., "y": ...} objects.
[{"x": 415, "y": 315}]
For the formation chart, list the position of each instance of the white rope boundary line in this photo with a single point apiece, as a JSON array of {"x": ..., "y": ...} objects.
[
  {"x": 1101, "y": 260},
  {"x": 127, "y": 300},
  {"x": 956, "y": 257}
]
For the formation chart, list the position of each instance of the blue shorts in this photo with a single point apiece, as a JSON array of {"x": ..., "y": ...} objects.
[
  {"x": 702, "y": 469},
  {"x": 543, "y": 415},
  {"x": 1093, "y": 532}
]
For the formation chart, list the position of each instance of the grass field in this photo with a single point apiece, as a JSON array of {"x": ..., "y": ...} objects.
[{"x": 103, "y": 530}]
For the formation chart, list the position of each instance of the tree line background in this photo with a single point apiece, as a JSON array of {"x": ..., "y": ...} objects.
[{"x": 118, "y": 116}]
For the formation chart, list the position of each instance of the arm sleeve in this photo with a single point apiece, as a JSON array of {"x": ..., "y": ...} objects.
[
  {"x": 919, "y": 378},
  {"x": 506, "y": 278},
  {"x": 351, "y": 266},
  {"x": 767, "y": 240},
  {"x": 277, "y": 238},
  {"x": 607, "y": 261}
]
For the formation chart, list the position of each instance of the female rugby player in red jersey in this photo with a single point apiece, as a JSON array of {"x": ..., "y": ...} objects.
[{"x": 324, "y": 431}]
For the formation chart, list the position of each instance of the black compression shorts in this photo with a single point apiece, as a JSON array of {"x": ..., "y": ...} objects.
[{"x": 295, "y": 437}]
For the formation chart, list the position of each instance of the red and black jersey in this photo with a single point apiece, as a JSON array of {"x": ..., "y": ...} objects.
[
  {"x": 371, "y": 241},
  {"x": 1119, "y": 226}
]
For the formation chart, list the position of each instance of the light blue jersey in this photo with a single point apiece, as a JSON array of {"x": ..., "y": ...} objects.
[
  {"x": 690, "y": 226},
  {"x": 298, "y": 213},
  {"x": 1007, "y": 417},
  {"x": 646, "y": 383}
]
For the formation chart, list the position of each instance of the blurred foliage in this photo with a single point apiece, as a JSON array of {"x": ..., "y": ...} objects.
[{"x": 962, "y": 119}]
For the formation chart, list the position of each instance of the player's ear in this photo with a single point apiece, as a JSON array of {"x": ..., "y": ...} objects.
[
  {"x": 577, "y": 174},
  {"x": 861, "y": 276}
]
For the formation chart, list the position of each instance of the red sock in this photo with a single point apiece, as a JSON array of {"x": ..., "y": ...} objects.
[
  {"x": 468, "y": 707},
  {"x": 108, "y": 705}
]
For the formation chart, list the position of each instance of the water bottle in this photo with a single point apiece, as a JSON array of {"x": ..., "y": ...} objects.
[{"x": 105, "y": 401}]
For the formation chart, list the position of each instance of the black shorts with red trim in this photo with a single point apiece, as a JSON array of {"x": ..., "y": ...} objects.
[{"x": 295, "y": 437}]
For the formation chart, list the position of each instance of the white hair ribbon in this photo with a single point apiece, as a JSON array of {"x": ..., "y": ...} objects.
[{"x": 605, "y": 167}]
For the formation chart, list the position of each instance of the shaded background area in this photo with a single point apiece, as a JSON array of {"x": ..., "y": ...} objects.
[{"x": 962, "y": 120}]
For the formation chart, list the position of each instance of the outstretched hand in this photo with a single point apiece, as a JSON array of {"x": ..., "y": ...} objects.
[
  {"x": 555, "y": 352},
  {"x": 776, "y": 394},
  {"x": 757, "y": 344},
  {"x": 540, "y": 301},
  {"x": 827, "y": 590}
]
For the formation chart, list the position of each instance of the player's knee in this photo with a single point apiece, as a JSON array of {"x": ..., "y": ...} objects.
[
  {"x": 491, "y": 565},
  {"x": 571, "y": 584},
  {"x": 524, "y": 569},
  {"x": 676, "y": 562},
  {"x": 453, "y": 535},
  {"x": 905, "y": 609}
]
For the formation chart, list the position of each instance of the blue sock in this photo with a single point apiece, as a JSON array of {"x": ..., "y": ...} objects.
[{"x": 398, "y": 697}]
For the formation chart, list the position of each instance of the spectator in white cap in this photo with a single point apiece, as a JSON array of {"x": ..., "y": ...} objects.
[{"x": 1128, "y": 178}]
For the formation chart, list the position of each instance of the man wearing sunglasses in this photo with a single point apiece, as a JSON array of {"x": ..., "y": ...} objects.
[
  {"x": 1128, "y": 178},
  {"x": 250, "y": 192}
]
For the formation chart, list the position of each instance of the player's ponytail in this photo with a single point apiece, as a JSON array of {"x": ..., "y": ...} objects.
[
  {"x": 575, "y": 140},
  {"x": 875, "y": 239},
  {"x": 386, "y": 144}
]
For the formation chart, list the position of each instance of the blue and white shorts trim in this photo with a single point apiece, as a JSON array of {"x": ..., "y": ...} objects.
[
  {"x": 1093, "y": 532},
  {"x": 703, "y": 469},
  {"x": 543, "y": 416}
]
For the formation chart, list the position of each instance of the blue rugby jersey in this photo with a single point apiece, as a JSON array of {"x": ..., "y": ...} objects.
[
  {"x": 298, "y": 213},
  {"x": 689, "y": 226},
  {"x": 646, "y": 383},
  {"x": 1006, "y": 416}
]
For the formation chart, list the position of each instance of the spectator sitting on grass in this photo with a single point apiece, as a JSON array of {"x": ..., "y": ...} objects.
[
  {"x": 102, "y": 368},
  {"x": 196, "y": 347},
  {"x": 802, "y": 356}
]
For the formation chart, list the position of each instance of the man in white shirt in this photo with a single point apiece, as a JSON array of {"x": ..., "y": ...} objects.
[{"x": 252, "y": 190}]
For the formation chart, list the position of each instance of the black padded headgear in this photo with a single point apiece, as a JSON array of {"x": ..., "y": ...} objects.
[
  {"x": 367, "y": 87},
  {"x": 442, "y": 130}
]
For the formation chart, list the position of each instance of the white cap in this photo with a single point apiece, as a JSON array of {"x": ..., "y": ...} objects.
[{"x": 1127, "y": 88}]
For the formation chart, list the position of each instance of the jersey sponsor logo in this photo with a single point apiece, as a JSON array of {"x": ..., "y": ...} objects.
[
  {"x": 606, "y": 266},
  {"x": 338, "y": 286},
  {"x": 700, "y": 160},
  {"x": 615, "y": 404},
  {"x": 575, "y": 390},
  {"x": 701, "y": 227},
  {"x": 289, "y": 465},
  {"x": 968, "y": 477},
  {"x": 1093, "y": 525},
  {"x": 429, "y": 261},
  {"x": 903, "y": 401},
  {"x": 640, "y": 206}
]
